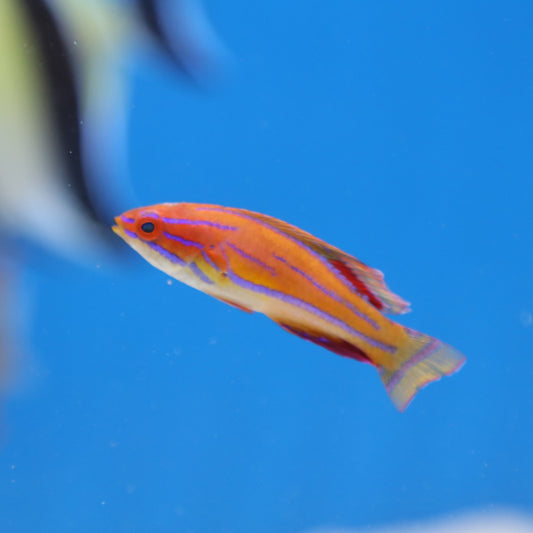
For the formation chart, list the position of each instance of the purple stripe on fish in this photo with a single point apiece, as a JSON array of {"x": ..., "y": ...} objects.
[
  {"x": 427, "y": 351},
  {"x": 298, "y": 242},
  {"x": 292, "y": 300},
  {"x": 251, "y": 258},
  {"x": 209, "y": 261},
  {"x": 305, "y": 335},
  {"x": 329, "y": 293},
  {"x": 186, "y": 242},
  {"x": 194, "y": 267},
  {"x": 127, "y": 219},
  {"x": 183, "y": 221},
  {"x": 173, "y": 258}
]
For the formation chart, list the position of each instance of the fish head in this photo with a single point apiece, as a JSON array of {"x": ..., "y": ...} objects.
[
  {"x": 140, "y": 224},
  {"x": 150, "y": 232},
  {"x": 141, "y": 228}
]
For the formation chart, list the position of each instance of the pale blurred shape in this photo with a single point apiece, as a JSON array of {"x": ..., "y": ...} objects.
[
  {"x": 494, "y": 521},
  {"x": 526, "y": 319}
]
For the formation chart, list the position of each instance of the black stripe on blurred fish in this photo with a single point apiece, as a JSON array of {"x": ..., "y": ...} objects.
[{"x": 60, "y": 86}]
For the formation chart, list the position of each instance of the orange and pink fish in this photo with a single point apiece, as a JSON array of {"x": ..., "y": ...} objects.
[{"x": 311, "y": 289}]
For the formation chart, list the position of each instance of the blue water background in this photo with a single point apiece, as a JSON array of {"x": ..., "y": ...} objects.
[{"x": 398, "y": 131}]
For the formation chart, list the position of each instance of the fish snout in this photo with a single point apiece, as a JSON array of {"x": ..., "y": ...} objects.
[{"x": 118, "y": 227}]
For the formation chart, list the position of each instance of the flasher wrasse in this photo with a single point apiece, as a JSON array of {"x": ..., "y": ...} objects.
[{"x": 308, "y": 287}]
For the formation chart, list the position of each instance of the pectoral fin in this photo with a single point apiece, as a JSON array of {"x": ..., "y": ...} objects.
[{"x": 215, "y": 257}]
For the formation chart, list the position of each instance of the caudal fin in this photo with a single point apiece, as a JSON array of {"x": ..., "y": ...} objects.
[{"x": 420, "y": 361}]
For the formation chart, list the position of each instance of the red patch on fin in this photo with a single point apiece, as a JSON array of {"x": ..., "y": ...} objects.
[
  {"x": 360, "y": 287},
  {"x": 333, "y": 344},
  {"x": 233, "y": 304}
]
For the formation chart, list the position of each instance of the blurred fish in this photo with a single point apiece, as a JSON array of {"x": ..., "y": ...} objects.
[
  {"x": 40, "y": 150},
  {"x": 62, "y": 112},
  {"x": 310, "y": 288},
  {"x": 62, "y": 109}
]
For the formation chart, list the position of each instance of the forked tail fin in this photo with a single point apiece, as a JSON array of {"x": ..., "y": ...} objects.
[{"x": 420, "y": 361}]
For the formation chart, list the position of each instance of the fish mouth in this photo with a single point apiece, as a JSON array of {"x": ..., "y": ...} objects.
[{"x": 118, "y": 229}]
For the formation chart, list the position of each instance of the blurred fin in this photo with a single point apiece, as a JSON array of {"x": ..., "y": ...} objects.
[{"x": 182, "y": 31}]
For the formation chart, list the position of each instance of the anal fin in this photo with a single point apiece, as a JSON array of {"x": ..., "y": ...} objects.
[
  {"x": 233, "y": 304},
  {"x": 333, "y": 344}
]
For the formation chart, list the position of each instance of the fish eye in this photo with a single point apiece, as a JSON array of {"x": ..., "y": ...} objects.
[{"x": 148, "y": 227}]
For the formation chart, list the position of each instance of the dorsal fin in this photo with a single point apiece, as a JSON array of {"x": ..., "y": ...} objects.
[
  {"x": 366, "y": 281},
  {"x": 360, "y": 287}
]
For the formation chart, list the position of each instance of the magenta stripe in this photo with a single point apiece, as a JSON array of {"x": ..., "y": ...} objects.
[
  {"x": 130, "y": 234},
  {"x": 251, "y": 258},
  {"x": 129, "y": 220},
  {"x": 186, "y": 242},
  {"x": 183, "y": 221},
  {"x": 329, "y": 293}
]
